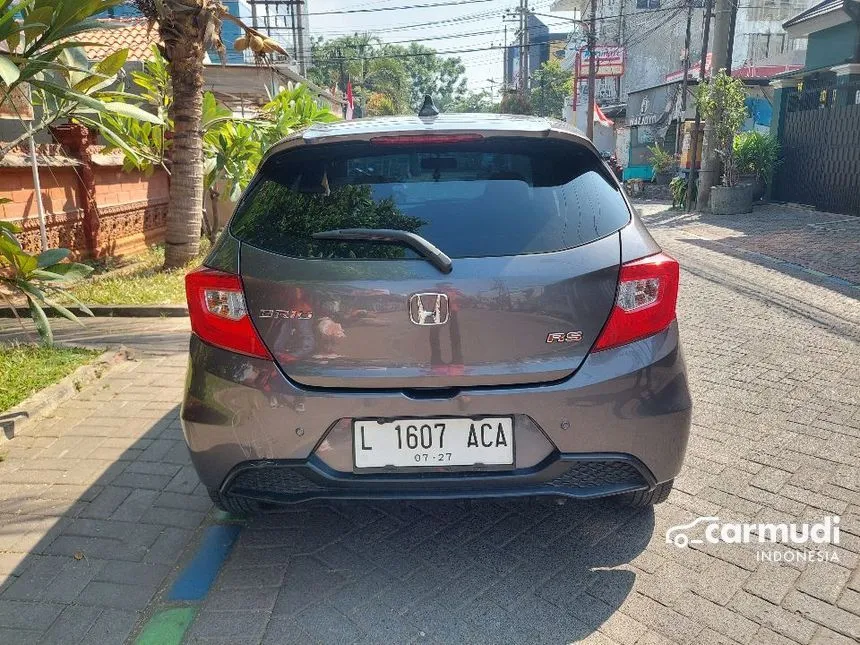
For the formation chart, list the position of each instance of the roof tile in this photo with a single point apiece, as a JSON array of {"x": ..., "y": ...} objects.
[{"x": 121, "y": 33}]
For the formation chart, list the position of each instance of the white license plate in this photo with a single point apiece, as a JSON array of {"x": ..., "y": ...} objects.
[{"x": 410, "y": 443}]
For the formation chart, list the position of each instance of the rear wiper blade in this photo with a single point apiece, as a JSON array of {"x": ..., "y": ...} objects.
[{"x": 389, "y": 235}]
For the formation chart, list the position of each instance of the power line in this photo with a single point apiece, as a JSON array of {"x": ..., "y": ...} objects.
[{"x": 402, "y": 7}]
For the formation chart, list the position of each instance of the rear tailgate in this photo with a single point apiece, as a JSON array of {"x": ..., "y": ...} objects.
[{"x": 531, "y": 228}]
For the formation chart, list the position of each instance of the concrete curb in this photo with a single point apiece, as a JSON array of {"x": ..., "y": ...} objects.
[
  {"x": 110, "y": 311},
  {"x": 14, "y": 421}
]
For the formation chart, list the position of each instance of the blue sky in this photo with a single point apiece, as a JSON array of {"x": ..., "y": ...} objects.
[{"x": 475, "y": 25}]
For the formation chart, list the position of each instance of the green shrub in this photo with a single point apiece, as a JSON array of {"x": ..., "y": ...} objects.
[
  {"x": 661, "y": 160},
  {"x": 756, "y": 154}
]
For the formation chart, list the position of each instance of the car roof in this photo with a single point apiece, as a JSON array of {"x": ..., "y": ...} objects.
[{"x": 485, "y": 124}]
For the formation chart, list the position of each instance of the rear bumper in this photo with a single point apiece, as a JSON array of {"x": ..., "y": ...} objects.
[
  {"x": 582, "y": 476},
  {"x": 629, "y": 405}
]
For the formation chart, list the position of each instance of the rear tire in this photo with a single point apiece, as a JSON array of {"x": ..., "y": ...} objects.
[
  {"x": 643, "y": 498},
  {"x": 237, "y": 506}
]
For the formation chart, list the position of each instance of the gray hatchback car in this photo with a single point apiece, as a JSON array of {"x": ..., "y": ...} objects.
[{"x": 435, "y": 307}]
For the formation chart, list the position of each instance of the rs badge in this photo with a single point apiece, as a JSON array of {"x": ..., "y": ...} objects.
[{"x": 564, "y": 337}]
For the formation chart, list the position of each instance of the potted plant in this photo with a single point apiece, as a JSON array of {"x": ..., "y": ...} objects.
[
  {"x": 722, "y": 102},
  {"x": 663, "y": 163},
  {"x": 756, "y": 155}
]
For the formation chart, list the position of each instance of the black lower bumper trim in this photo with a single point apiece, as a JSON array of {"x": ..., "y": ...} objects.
[{"x": 569, "y": 475}]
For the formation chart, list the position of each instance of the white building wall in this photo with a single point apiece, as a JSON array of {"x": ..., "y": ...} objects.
[{"x": 654, "y": 37}]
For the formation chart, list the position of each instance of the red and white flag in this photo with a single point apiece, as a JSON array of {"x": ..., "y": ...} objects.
[
  {"x": 350, "y": 103},
  {"x": 600, "y": 117}
]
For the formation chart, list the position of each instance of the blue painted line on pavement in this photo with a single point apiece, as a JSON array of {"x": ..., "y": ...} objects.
[{"x": 199, "y": 574}]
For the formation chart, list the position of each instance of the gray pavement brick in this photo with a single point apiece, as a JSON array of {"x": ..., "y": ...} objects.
[
  {"x": 825, "y": 636},
  {"x": 152, "y": 468},
  {"x": 306, "y": 581},
  {"x": 773, "y": 617},
  {"x": 106, "y": 502},
  {"x": 285, "y": 630},
  {"x": 185, "y": 481},
  {"x": 772, "y": 582},
  {"x": 116, "y": 596},
  {"x": 327, "y": 624},
  {"x": 53, "y": 579},
  {"x": 182, "y": 518},
  {"x": 112, "y": 627},
  {"x": 142, "y": 481},
  {"x": 169, "y": 545},
  {"x": 823, "y": 580},
  {"x": 17, "y": 636},
  {"x": 233, "y": 577},
  {"x": 133, "y": 573},
  {"x": 716, "y": 617},
  {"x": 134, "y": 506},
  {"x": 228, "y": 626},
  {"x": 72, "y": 625},
  {"x": 824, "y": 614},
  {"x": 850, "y": 601},
  {"x": 720, "y": 581},
  {"x": 242, "y": 599},
  {"x": 494, "y": 624},
  {"x": 181, "y": 501},
  {"x": 28, "y": 615},
  {"x": 663, "y": 620}
]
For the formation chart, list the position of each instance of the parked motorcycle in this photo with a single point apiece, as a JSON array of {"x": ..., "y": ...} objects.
[{"x": 613, "y": 164}]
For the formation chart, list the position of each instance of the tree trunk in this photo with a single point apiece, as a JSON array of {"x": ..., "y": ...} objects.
[{"x": 186, "y": 187}]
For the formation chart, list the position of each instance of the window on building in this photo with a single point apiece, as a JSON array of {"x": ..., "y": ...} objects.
[
  {"x": 775, "y": 10},
  {"x": 761, "y": 46},
  {"x": 647, "y": 4}
]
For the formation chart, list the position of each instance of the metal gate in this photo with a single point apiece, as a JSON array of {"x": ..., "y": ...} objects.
[{"x": 821, "y": 148}]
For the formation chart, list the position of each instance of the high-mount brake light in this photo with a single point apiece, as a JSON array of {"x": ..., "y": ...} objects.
[
  {"x": 424, "y": 139},
  {"x": 645, "y": 301},
  {"x": 216, "y": 306}
]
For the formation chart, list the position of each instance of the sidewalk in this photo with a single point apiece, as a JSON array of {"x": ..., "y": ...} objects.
[
  {"x": 98, "y": 502},
  {"x": 825, "y": 244},
  {"x": 153, "y": 336}
]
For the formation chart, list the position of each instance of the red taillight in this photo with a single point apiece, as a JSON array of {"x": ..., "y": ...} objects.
[
  {"x": 645, "y": 301},
  {"x": 424, "y": 139},
  {"x": 216, "y": 306}
]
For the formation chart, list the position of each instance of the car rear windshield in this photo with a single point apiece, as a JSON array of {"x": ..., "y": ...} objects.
[{"x": 489, "y": 198}]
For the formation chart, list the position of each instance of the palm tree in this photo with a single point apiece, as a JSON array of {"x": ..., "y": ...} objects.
[{"x": 188, "y": 28}]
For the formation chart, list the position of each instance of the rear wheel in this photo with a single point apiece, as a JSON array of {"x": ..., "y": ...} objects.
[
  {"x": 238, "y": 506},
  {"x": 644, "y": 498}
]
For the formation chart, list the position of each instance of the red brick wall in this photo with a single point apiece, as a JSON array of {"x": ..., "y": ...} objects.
[{"x": 132, "y": 208}]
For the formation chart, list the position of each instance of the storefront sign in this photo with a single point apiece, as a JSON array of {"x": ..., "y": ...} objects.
[
  {"x": 645, "y": 119},
  {"x": 609, "y": 61}
]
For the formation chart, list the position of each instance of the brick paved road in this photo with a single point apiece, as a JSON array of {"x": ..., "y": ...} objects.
[{"x": 773, "y": 358}]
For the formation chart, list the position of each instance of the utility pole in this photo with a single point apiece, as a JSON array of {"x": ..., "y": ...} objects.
[
  {"x": 710, "y": 171},
  {"x": 505, "y": 62},
  {"x": 342, "y": 76},
  {"x": 303, "y": 68},
  {"x": 731, "y": 46},
  {"x": 521, "y": 81},
  {"x": 694, "y": 144},
  {"x": 592, "y": 69},
  {"x": 684, "y": 80}
]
